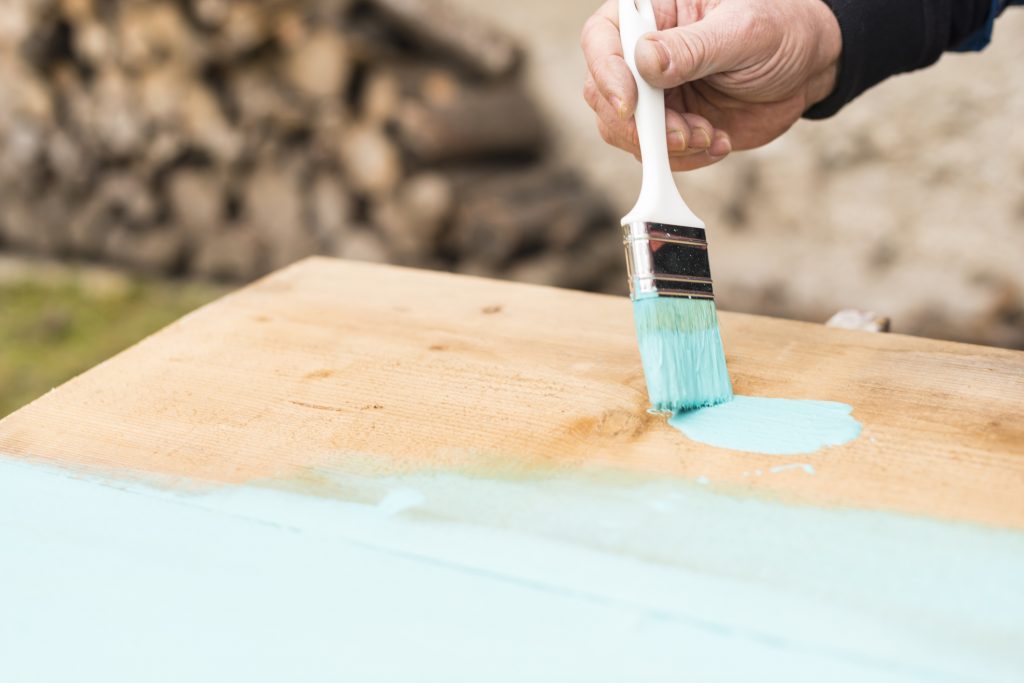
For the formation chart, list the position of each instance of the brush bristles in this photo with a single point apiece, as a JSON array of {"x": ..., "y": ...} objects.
[{"x": 682, "y": 354}]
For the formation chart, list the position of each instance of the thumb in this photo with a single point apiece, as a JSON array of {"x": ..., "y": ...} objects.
[{"x": 679, "y": 55}]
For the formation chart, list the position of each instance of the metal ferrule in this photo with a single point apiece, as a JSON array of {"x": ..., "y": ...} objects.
[{"x": 667, "y": 260}]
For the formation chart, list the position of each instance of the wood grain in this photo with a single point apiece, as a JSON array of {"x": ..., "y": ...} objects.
[{"x": 379, "y": 370}]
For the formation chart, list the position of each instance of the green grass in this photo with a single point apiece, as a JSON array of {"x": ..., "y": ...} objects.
[{"x": 56, "y": 327}]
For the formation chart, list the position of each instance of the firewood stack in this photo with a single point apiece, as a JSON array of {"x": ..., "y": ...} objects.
[{"x": 225, "y": 138}]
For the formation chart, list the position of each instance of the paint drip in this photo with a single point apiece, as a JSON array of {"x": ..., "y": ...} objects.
[{"x": 772, "y": 426}]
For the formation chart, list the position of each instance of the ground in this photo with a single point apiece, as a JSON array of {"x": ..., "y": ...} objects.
[{"x": 58, "y": 321}]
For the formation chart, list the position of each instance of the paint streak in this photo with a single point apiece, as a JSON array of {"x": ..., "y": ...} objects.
[
  {"x": 597, "y": 582},
  {"x": 773, "y": 426},
  {"x": 805, "y": 467}
]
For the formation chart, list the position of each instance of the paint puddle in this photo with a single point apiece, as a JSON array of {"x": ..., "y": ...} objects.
[{"x": 772, "y": 426}]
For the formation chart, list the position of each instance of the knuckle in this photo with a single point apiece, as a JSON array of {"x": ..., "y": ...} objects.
[
  {"x": 752, "y": 27},
  {"x": 692, "y": 52},
  {"x": 746, "y": 24}
]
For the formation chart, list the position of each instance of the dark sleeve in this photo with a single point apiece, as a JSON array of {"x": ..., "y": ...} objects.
[{"x": 882, "y": 38}]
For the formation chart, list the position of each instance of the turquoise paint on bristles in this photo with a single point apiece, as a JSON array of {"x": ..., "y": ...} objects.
[{"x": 682, "y": 353}]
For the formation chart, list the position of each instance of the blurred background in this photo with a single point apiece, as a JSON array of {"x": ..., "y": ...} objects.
[{"x": 155, "y": 154}]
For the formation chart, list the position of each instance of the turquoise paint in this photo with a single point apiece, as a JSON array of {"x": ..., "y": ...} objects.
[
  {"x": 807, "y": 468},
  {"x": 682, "y": 354},
  {"x": 773, "y": 426},
  {"x": 595, "y": 581}
]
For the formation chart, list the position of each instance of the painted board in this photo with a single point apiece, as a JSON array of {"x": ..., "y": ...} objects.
[{"x": 353, "y": 469}]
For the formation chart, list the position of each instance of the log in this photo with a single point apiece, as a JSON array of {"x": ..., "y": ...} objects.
[
  {"x": 273, "y": 207},
  {"x": 319, "y": 67},
  {"x": 127, "y": 195},
  {"x": 475, "y": 45},
  {"x": 160, "y": 91},
  {"x": 211, "y": 14},
  {"x": 360, "y": 244},
  {"x": 151, "y": 251},
  {"x": 546, "y": 268},
  {"x": 93, "y": 43},
  {"x": 243, "y": 30},
  {"x": 460, "y": 124},
  {"x": 373, "y": 38},
  {"x": 500, "y": 215},
  {"x": 391, "y": 83},
  {"x": 77, "y": 11},
  {"x": 331, "y": 121},
  {"x": 22, "y": 226},
  {"x": 204, "y": 123},
  {"x": 261, "y": 104},
  {"x": 290, "y": 28},
  {"x": 165, "y": 148},
  {"x": 87, "y": 227},
  {"x": 196, "y": 198},
  {"x": 370, "y": 159},
  {"x": 153, "y": 33},
  {"x": 71, "y": 165},
  {"x": 597, "y": 260},
  {"x": 587, "y": 267},
  {"x": 330, "y": 208},
  {"x": 120, "y": 199},
  {"x": 412, "y": 220},
  {"x": 381, "y": 96},
  {"x": 233, "y": 254},
  {"x": 108, "y": 115}
]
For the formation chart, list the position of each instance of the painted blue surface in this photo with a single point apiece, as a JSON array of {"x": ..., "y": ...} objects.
[
  {"x": 774, "y": 426},
  {"x": 681, "y": 349},
  {"x": 442, "y": 577}
]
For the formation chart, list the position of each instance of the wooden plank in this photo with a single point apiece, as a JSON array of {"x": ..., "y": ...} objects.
[{"x": 373, "y": 370}]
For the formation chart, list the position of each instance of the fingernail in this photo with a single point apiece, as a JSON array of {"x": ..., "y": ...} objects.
[
  {"x": 720, "y": 146},
  {"x": 676, "y": 139},
  {"x": 620, "y": 107},
  {"x": 662, "y": 52},
  {"x": 701, "y": 139}
]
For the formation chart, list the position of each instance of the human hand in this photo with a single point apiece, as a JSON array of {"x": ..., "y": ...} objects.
[{"x": 736, "y": 73}]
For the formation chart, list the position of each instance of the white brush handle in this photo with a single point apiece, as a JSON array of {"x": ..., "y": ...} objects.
[{"x": 659, "y": 200}]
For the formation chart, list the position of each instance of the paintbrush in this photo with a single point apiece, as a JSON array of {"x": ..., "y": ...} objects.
[{"x": 667, "y": 259}]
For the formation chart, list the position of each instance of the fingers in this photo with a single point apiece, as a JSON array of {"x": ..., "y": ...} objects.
[
  {"x": 721, "y": 41},
  {"x": 706, "y": 145},
  {"x": 688, "y": 135},
  {"x": 704, "y": 137},
  {"x": 614, "y": 130},
  {"x": 611, "y": 91},
  {"x": 602, "y": 48},
  {"x": 692, "y": 163}
]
